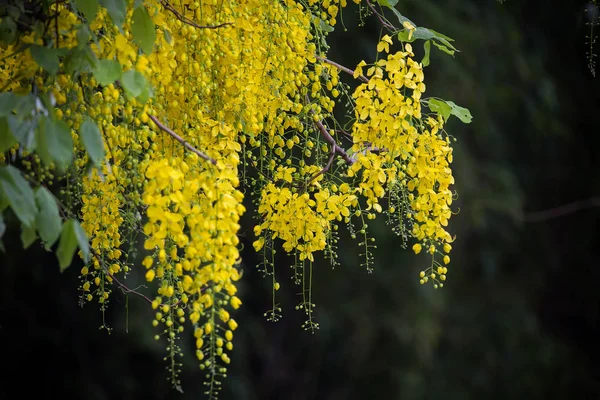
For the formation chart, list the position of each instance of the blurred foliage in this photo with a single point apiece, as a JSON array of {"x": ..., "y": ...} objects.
[{"x": 518, "y": 317}]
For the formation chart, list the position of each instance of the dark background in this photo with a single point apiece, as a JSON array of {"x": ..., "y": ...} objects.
[{"x": 518, "y": 317}]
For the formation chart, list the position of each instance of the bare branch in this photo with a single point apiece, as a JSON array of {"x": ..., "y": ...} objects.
[
  {"x": 188, "y": 21},
  {"x": 342, "y": 68},
  {"x": 335, "y": 147},
  {"x": 324, "y": 169},
  {"x": 182, "y": 141},
  {"x": 381, "y": 18},
  {"x": 570, "y": 208}
]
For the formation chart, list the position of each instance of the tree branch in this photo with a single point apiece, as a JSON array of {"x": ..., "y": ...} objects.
[
  {"x": 381, "y": 18},
  {"x": 188, "y": 21},
  {"x": 335, "y": 147},
  {"x": 570, "y": 208},
  {"x": 182, "y": 141},
  {"x": 342, "y": 68}
]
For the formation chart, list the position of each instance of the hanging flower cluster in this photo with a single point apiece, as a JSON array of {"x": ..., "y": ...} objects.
[{"x": 173, "y": 110}]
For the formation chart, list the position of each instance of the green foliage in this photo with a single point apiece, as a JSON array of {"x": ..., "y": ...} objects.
[
  {"x": 447, "y": 108},
  {"x": 144, "y": 32},
  {"x": 55, "y": 142},
  {"x": 19, "y": 195},
  {"x": 107, "y": 71},
  {"x": 46, "y": 57},
  {"x": 92, "y": 140},
  {"x": 71, "y": 237},
  {"x": 117, "y": 9},
  {"x": 88, "y": 8},
  {"x": 48, "y": 220},
  {"x": 136, "y": 85}
]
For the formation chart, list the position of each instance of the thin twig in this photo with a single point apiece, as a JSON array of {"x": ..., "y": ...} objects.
[
  {"x": 570, "y": 208},
  {"x": 324, "y": 169},
  {"x": 182, "y": 140},
  {"x": 335, "y": 147},
  {"x": 342, "y": 68},
  {"x": 381, "y": 18},
  {"x": 188, "y": 21}
]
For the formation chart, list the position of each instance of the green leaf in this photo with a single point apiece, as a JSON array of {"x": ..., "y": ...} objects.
[
  {"x": 28, "y": 236},
  {"x": 143, "y": 29},
  {"x": 82, "y": 241},
  {"x": 92, "y": 140},
  {"x": 445, "y": 49},
  {"x": 55, "y": 142},
  {"x": 401, "y": 18},
  {"x": 388, "y": 3},
  {"x": 427, "y": 48},
  {"x": 8, "y": 30},
  {"x": 67, "y": 245},
  {"x": 46, "y": 58},
  {"x": 24, "y": 132},
  {"x": 134, "y": 82},
  {"x": 322, "y": 25},
  {"x": 72, "y": 235},
  {"x": 460, "y": 112},
  {"x": 440, "y": 107},
  {"x": 107, "y": 71},
  {"x": 117, "y": 9},
  {"x": 7, "y": 103},
  {"x": 419, "y": 33},
  {"x": 15, "y": 189},
  {"x": 88, "y": 8},
  {"x": 48, "y": 220},
  {"x": 80, "y": 59},
  {"x": 7, "y": 140}
]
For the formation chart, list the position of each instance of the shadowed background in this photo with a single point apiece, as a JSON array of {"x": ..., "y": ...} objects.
[{"x": 517, "y": 318}]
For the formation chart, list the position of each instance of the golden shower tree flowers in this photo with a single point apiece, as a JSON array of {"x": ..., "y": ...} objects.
[{"x": 156, "y": 118}]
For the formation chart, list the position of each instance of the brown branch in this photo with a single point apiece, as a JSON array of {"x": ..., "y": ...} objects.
[
  {"x": 335, "y": 147},
  {"x": 324, "y": 169},
  {"x": 188, "y": 21},
  {"x": 342, "y": 68},
  {"x": 381, "y": 18},
  {"x": 182, "y": 141},
  {"x": 570, "y": 208}
]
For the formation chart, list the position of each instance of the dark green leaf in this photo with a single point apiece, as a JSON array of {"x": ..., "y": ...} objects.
[
  {"x": 67, "y": 245},
  {"x": 83, "y": 35},
  {"x": 107, "y": 71},
  {"x": 7, "y": 140},
  {"x": 117, "y": 9},
  {"x": 92, "y": 140},
  {"x": 168, "y": 36},
  {"x": 28, "y": 236},
  {"x": 16, "y": 190},
  {"x": 440, "y": 107},
  {"x": 143, "y": 29},
  {"x": 23, "y": 131},
  {"x": 427, "y": 48},
  {"x": 460, "y": 112},
  {"x": 82, "y": 241},
  {"x": 55, "y": 142},
  {"x": 80, "y": 59},
  {"x": 7, "y": 103},
  {"x": 134, "y": 82},
  {"x": 8, "y": 30},
  {"x": 46, "y": 58},
  {"x": 444, "y": 48},
  {"x": 401, "y": 18},
  {"x": 88, "y": 8},
  {"x": 48, "y": 220}
]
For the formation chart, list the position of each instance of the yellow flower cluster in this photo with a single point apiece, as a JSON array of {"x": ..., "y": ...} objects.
[
  {"x": 235, "y": 85},
  {"x": 394, "y": 145}
]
